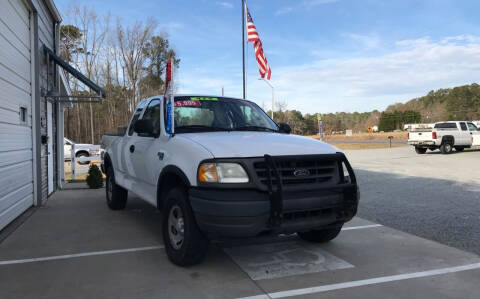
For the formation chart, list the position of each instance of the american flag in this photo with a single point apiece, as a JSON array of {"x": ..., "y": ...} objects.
[{"x": 252, "y": 36}]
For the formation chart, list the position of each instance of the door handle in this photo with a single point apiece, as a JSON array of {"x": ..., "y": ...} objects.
[{"x": 132, "y": 148}]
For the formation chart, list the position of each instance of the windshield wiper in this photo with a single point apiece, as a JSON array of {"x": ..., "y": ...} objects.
[
  {"x": 200, "y": 128},
  {"x": 254, "y": 128}
]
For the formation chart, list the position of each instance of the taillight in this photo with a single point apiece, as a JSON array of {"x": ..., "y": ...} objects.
[{"x": 434, "y": 135}]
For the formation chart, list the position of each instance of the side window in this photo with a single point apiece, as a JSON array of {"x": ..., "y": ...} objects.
[
  {"x": 463, "y": 126},
  {"x": 472, "y": 127},
  {"x": 153, "y": 113},
  {"x": 135, "y": 117},
  {"x": 446, "y": 126}
]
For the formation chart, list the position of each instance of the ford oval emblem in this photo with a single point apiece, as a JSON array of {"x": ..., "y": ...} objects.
[{"x": 301, "y": 172}]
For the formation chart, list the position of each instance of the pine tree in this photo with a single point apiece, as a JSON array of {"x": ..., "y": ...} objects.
[{"x": 94, "y": 177}]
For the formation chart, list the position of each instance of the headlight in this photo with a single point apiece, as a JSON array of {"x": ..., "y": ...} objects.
[
  {"x": 346, "y": 174},
  {"x": 222, "y": 173}
]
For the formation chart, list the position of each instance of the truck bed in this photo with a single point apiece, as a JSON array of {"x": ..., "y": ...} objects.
[
  {"x": 421, "y": 135},
  {"x": 108, "y": 138}
]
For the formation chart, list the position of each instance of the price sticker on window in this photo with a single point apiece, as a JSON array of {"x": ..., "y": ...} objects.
[{"x": 187, "y": 103}]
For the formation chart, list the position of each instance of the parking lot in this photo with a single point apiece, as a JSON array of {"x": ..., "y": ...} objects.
[{"x": 420, "y": 241}]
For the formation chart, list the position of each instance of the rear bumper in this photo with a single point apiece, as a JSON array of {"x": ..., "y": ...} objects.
[
  {"x": 423, "y": 142},
  {"x": 246, "y": 212}
]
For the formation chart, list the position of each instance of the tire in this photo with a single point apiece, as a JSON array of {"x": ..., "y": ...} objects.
[
  {"x": 83, "y": 155},
  {"x": 321, "y": 235},
  {"x": 184, "y": 243},
  {"x": 459, "y": 149},
  {"x": 420, "y": 150},
  {"x": 446, "y": 148},
  {"x": 116, "y": 195}
]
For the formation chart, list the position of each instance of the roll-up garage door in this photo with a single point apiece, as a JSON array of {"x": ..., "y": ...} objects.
[{"x": 16, "y": 171}]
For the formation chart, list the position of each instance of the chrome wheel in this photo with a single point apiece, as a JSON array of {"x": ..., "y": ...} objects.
[{"x": 176, "y": 227}]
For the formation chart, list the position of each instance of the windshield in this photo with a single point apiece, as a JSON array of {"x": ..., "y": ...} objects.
[{"x": 206, "y": 114}]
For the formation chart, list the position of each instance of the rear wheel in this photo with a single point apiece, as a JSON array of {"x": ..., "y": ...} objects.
[
  {"x": 184, "y": 242},
  {"x": 420, "y": 150},
  {"x": 446, "y": 148},
  {"x": 82, "y": 155},
  {"x": 459, "y": 148},
  {"x": 320, "y": 235},
  {"x": 116, "y": 195}
]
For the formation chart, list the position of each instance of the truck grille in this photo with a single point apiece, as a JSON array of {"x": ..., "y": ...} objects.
[{"x": 300, "y": 171}]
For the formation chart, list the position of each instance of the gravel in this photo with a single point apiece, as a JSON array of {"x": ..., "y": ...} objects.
[{"x": 432, "y": 196}]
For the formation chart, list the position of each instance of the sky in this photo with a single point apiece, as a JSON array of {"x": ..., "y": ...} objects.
[{"x": 325, "y": 55}]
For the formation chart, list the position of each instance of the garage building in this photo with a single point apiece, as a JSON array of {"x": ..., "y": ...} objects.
[{"x": 33, "y": 93}]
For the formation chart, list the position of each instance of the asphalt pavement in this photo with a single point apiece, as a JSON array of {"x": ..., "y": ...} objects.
[{"x": 434, "y": 196}]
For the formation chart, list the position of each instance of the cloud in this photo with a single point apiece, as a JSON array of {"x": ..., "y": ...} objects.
[
  {"x": 411, "y": 69},
  {"x": 312, "y": 3},
  {"x": 171, "y": 26},
  {"x": 367, "y": 41},
  {"x": 283, "y": 10},
  {"x": 378, "y": 81},
  {"x": 224, "y": 4},
  {"x": 305, "y": 4}
]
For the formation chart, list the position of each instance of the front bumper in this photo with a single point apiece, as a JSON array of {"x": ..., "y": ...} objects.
[{"x": 246, "y": 212}]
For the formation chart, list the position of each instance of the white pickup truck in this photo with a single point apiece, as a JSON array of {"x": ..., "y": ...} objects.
[
  {"x": 445, "y": 136},
  {"x": 221, "y": 168},
  {"x": 81, "y": 150}
]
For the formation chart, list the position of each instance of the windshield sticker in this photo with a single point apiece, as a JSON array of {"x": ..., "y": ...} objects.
[
  {"x": 187, "y": 103},
  {"x": 203, "y": 99}
]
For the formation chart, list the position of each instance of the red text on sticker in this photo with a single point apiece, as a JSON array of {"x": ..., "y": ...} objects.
[{"x": 187, "y": 103}]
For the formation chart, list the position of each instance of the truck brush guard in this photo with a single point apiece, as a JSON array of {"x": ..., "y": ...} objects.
[
  {"x": 276, "y": 197},
  {"x": 275, "y": 183}
]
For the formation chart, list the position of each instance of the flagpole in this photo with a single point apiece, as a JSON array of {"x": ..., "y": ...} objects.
[{"x": 243, "y": 45}]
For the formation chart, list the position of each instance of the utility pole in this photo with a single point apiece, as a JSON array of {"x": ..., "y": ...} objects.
[
  {"x": 223, "y": 92},
  {"x": 243, "y": 45},
  {"x": 273, "y": 95}
]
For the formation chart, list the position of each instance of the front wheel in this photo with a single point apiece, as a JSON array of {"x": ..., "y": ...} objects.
[
  {"x": 184, "y": 243},
  {"x": 320, "y": 235},
  {"x": 420, "y": 150},
  {"x": 446, "y": 148}
]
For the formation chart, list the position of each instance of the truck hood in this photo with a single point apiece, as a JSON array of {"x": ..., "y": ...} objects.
[{"x": 257, "y": 144}]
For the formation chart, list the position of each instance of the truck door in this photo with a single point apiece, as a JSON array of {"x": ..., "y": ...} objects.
[
  {"x": 143, "y": 157},
  {"x": 124, "y": 171},
  {"x": 474, "y": 134},
  {"x": 465, "y": 138}
]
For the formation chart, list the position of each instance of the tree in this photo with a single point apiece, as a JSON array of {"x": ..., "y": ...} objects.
[
  {"x": 131, "y": 41},
  {"x": 157, "y": 53},
  {"x": 94, "y": 177},
  {"x": 70, "y": 36}
]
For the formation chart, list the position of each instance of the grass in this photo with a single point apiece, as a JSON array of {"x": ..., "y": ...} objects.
[
  {"x": 81, "y": 177},
  {"x": 397, "y": 136},
  {"x": 363, "y": 146}
]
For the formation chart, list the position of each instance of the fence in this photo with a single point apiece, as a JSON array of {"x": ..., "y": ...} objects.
[{"x": 75, "y": 159}]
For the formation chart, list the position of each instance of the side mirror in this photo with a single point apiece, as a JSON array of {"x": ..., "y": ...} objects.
[
  {"x": 143, "y": 127},
  {"x": 284, "y": 128}
]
